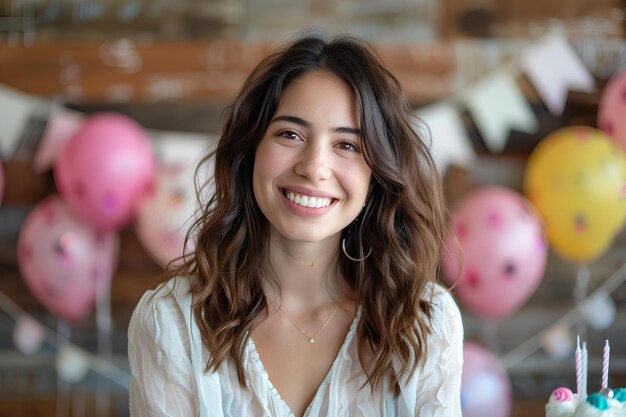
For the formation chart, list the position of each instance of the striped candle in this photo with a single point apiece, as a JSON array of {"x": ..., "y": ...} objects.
[
  {"x": 605, "y": 364},
  {"x": 585, "y": 368},
  {"x": 579, "y": 367}
]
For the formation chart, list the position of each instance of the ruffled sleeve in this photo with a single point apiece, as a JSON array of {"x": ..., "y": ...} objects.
[
  {"x": 439, "y": 392},
  {"x": 162, "y": 381}
]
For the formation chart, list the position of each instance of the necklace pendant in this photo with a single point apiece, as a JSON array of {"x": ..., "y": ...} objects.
[{"x": 311, "y": 340}]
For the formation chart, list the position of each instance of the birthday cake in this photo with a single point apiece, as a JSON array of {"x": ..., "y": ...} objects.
[{"x": 605, "y": 403}]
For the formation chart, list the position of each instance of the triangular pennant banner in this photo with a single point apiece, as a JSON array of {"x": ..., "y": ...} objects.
[
  {"x": 497, "y": 105},
  {"x": 172, "y": 146},
  {"x": 449, "y": 143},
  {"x": 16, "y": 110},
  {"x": 62, "y": 124},
  {"x": 183, "y": 149},
  {"x": 554, "y": 68}
]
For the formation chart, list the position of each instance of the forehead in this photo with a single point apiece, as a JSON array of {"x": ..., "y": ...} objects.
[{"x": 321, "y": 95}]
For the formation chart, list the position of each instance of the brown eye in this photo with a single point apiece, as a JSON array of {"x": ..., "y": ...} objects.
[
  {"x": 349, "y": 146},
  {"x": 289, "y": 134}
]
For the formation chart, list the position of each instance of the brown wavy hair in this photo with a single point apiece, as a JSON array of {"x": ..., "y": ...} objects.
[{"x": 402, "y": 222}]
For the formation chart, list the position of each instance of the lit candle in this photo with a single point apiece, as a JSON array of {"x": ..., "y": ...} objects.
[
  {"x": 605, "y": 365},
  {"x": 579, "y": 367}
]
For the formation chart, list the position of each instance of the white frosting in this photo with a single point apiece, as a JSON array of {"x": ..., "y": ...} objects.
[
  {"x": 584, "y": 409},
  {"x": 556, "y": 408},
  {"x": 614, "y": 404},
  {"x": 577, "y": 408}
]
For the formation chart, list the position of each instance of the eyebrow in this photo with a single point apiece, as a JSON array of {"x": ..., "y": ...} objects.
[{"x": 300, "y": 121}]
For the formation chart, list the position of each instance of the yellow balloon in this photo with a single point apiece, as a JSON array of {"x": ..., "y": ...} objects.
[{"x": 576, "y": 178}]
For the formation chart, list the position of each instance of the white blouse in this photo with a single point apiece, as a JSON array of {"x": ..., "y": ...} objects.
[{"x": 167, "y": 361}]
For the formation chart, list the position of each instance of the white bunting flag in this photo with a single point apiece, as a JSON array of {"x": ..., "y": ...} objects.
[
  {"x": 72, "y": 363},
  {"x": 16, "y": 109},
  {"x": 184, "y": 149},
  {"x": 598, "y": 310},
  {"x": 61, "y": 126},
  {"x": 181, "y": 146},
  {"x": 554, "y": 68},
  {"x": 497, "y": 106},
  {"x": 444, "y": 130},
  {"x": 558, "y": 341}
]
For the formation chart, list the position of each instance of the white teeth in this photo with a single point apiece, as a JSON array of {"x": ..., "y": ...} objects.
[{"x": 306, "y": 201}]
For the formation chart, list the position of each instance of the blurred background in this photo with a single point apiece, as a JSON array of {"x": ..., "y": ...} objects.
[{"x": 105, "y": 106}]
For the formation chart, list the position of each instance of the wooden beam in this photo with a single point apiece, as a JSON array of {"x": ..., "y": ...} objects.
[{"x": 125, "y": 71}]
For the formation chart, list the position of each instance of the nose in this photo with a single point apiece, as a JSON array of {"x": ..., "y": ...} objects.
[{"x": 314, "y": 163}]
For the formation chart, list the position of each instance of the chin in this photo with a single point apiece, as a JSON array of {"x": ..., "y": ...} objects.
[{"x": 308, "y": 236}]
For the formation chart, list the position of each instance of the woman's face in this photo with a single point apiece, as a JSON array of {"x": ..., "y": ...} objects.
[{"x": 310, "y": 176}]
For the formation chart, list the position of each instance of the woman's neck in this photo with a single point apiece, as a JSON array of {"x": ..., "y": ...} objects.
[{"x": 306, "y": 272}]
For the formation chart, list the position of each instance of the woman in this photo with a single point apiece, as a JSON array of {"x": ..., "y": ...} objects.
[{"x": 311, "y": 291}]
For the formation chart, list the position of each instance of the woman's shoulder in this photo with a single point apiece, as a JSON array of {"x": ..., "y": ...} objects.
[
  {"x": 176, "y": 291},
  {"x": 444, "y": 312},
  {"x": 159, "y": 346},
  {"x": 437, "y": 294},
  {"x": 169, "y": 302}
]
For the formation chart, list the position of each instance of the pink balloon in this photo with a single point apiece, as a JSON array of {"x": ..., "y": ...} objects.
[
  {"x": 65, "y": 262},
  {"x": 106, "y": 169},
  {"x": 165, "y": 216},
  {"x": 612, "y": 108},
  {"x": 485, "y": 386},
  {"x": 503, "y": 250}
]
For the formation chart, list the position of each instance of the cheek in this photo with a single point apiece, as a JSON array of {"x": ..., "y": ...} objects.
[
  {"x": 268, "y": 166},
  {"x": 357, "y": 181},
  {"x": 267, "y": 163}
]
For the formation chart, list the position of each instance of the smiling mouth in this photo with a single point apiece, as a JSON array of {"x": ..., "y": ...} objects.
[{"x": 307, "y": 201}]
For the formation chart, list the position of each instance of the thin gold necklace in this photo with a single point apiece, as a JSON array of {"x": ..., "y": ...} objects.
[{"x": 311, "y": 338}]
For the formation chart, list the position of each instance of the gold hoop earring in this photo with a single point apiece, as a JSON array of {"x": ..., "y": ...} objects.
[{"x": 343, "y": 248}]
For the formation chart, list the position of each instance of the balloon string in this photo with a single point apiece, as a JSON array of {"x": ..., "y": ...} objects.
[
  {"x": 490, "y": 335},
  {"x": 532, "y": 344},
  {"x": 580, "y": 292},
  {"x": 582, "y": 283},
  {"x": 55, "y": 339},
  {"x": 78, "y": 403},
  {"x": 64, "y": 332},
  {"x": 104, "y": 326}
]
